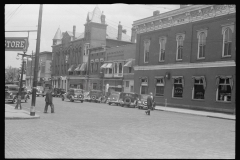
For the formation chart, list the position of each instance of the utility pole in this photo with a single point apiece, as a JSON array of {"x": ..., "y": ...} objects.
[{"x": 32, "y": 109}]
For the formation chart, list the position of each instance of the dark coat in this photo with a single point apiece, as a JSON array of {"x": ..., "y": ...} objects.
[
  {"x": 49, "y": 96},
  {"x": 149, "y": 102}
]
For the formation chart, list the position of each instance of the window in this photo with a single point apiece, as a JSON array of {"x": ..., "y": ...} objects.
[
  {"x": 199, "y": 87},
  {"x": 120, "y": 67},
  {"x": 96, "y": 66},
  {"x": 129, "y": 69},
  {"x": 180, "y": 39},
  {"x": 202, "y": 35},
  {"x": 144, "y": 86},
  {"x": 146, "y": 50},
  {"x": 86, "y": 51},
  {"x": 94, "y": 86},
  {"x": 162, "y": 43},
  {"x": 131, "y": 90},
  {"x": 127, "y": 83},
  {"x": 110, "y": 70},
  {"x": 92, "y": 64},
  {"x": 227, "y": 40},
  {"x": 115, "y": 68},
  {"x": 178, "y": 86},
  {"x": 224, "y": 88},
  {"x": 159, "y": 86}
]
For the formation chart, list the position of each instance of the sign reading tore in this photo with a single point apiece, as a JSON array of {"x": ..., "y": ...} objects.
[{"x": 16, "y": 43}]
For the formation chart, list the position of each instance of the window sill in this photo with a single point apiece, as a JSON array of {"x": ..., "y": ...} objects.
[
  {"x": 159, "y": 96},
  {"x": 201, "y": 100},
  {"x": 161, "y": 61},
  {"x": 176, "y": 98},
  {"x": 178, "y": 60},
  {"x": 201, "y": 58},
  {"x": 224, "y": 102},
  {"x": 228, "y": 56}
]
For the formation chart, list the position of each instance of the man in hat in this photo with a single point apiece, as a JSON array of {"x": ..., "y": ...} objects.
[
  {"x": 48, "y": 101},
  {"x": 149, "y": 103}
]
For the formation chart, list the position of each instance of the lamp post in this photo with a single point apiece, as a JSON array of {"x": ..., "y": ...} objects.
[{"x": 24, "y": 57}]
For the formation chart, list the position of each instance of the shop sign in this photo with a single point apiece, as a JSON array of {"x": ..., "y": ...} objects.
[{"x": 16, "y": 44}]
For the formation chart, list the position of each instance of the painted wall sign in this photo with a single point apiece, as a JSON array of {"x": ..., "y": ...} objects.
[{"x": 16, "y": 44}]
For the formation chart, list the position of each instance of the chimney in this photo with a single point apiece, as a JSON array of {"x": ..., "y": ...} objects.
[
  {"x": 124, "y": 31},
  {"x": 155, "y": 13},
  {"x": 119, "y": 31},
  {"x": 102, "y": 18},
  {"x": 133, "y": 36},
  {"x": 74, "y": 32}
]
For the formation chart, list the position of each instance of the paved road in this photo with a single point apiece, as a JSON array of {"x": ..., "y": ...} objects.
[{"x": 91, "y": 130}]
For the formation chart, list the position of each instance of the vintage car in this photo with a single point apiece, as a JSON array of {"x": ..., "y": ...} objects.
[
  {"x": 142, "y": 102},
  {"x": 58, "y": 92},
  {"x": 11, "y": 93},
  {"x": 114, "y": 98},
  {"x": 74, "y": 94},
  {"x": 128, "y": 99},
  {"x": 29, "y": 89},
  {"x": 95, "y": 96},
  {"x": 40, "y": 91}
]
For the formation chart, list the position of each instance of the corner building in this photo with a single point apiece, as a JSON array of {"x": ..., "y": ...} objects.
[
  {"x": 187, "y": 57},
  {"x": 71, "y": 62}
]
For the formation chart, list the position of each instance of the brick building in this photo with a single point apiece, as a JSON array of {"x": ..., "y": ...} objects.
[
  {"x": 71, "y": 62},
  {"x": 186, "y": 57}
]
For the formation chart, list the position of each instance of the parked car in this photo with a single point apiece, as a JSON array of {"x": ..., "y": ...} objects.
[
  {"x": 11, "y": 93},
  {"x": 86, "y": 96},
  {"x": 39, "y": 91},
  {"x": 58, "y": 92},
  {"x": 128, "y": 99},
  {"x": 29, "y": 89},
  {"x": 95, "y": 96},
  {"x": 114, "y": 98},
  {"x": 142, "y": 102},
  {"x": 74, "y": 94}
]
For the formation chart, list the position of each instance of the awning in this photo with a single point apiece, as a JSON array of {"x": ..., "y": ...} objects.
[
  {"x": 104, "y": 65},
  {"x": 83, "y": 67},
  {"x": 128, "y": 64},
  {"x": 109, "y": 65},
  {"x": 70, "y": 69},
  {"x": 78, "y": 67}
]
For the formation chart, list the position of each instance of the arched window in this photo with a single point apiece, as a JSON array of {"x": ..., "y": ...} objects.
[
  {"x": 120, "y": 67},
  {"x": 162, "y": 45},
  {"x": 179, "y": 47},
  {"x": 227, "y": 42},
  {"x": 201, "y": 45}
]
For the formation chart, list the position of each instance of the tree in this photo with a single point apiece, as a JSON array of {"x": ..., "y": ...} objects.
[{"x": 11, "y": 74}]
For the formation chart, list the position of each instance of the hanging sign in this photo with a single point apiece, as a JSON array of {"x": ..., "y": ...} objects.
[{"x": 16, "y": 44}]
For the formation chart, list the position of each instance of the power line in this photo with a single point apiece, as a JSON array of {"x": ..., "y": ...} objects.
[{"x": 13, "y": 13}]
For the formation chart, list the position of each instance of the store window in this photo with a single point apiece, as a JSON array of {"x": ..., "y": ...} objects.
[
  {"x": 127, "y": 83},
  {"x": 162, "y": 43},
  {"x": 178, "y": 84},
  {"x": 227, "y": 32},
  {"x": 224, "y": 88},
  {"x": 146, "y": 50},
  {"x": 199, "y": 86},
  {"x": 159, "y": 86},
  {"x": 202, "y": 35},
  {"x": 144, "y": 86}
]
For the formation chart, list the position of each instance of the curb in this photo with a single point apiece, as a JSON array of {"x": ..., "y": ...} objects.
[{"x": 22, "y": 117}]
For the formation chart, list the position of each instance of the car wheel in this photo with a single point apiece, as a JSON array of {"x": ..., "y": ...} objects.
[
  {"x": 122, "y": 105},
  {"x": 109, "y": 103},
  {"x": 14, "y": 100},
  {"x": 81, "y": 101},
  {"x": 117, "y": 104}
]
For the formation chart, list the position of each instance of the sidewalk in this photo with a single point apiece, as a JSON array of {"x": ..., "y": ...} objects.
[
  {"x": 12, "y": 113},
  {"x": 200, "y": 113}
]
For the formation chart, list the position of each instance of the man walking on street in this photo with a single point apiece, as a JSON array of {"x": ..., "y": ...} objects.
[
  {"x": 149, "y": 103},
  {"x": 48, "y": 101}
]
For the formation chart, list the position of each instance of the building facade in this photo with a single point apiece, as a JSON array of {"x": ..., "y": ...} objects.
[
  {"x": 71, "y": 62},
  {"x": 44, "y": 69},
  {"x": 187, "y": 57}
]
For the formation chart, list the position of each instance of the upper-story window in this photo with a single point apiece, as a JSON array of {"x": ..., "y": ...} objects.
[
  {"x": 120, "y": 68},
  {"x": 86, "y": 47},
  {"x": 180, "y": 39},
  {"x": 146, "y": 50},
  {"x": 115, "y": 68},
  {"x": 162, "y": 45},
  {"x": 227, "y": 32},
  {"x": 96, "y": 65},
  {"x": 202, "y": 35}
]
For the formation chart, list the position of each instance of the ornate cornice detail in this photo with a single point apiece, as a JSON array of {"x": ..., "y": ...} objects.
[
  {"x": 182, "y": 16},
  {"x": 187, "y": 65}
]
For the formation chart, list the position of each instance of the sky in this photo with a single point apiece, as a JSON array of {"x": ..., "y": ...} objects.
[{"x": 25, "y": 17}]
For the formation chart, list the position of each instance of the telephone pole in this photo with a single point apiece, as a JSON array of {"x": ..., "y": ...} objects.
[{"x": 32, "y": 109}]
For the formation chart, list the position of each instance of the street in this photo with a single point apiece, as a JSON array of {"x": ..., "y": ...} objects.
[{"x": 93, "y": 130}]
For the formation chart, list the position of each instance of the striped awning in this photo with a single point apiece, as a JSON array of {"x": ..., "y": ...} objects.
[
  {"x": 70, "y": 68},
  {"x": 78, "y": 67},
  {"x": 83, "y": 67},
  {"x": 104, "y": 65},
  {"x": 109, "y": 65},
  {"x": 128, "y": 64}
]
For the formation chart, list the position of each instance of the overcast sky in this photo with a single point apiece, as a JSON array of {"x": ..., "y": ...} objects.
[{"x": 25, "y": 17}]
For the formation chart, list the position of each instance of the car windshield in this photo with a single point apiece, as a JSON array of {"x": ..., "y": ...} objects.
[
  {"x": 129, "y": 95},
  {"x": 114, "y": 95},
  {"x": 78, "y": 91},
  {"x": 95, "y": 92}
]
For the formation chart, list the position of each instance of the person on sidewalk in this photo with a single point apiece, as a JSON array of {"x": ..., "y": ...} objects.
[
  {"x": 149, "y": 103},
  {"x": 49, "y": 101}
]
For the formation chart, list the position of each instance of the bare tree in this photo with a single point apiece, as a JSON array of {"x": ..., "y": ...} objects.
[{"x": 11, "y": 74}]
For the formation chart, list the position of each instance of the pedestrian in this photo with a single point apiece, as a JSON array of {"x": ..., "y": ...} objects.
[
  {"x": 49, "y": 101},
  {"x": 149, "y": 103}
]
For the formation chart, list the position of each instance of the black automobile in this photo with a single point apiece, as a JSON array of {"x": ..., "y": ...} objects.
[
  {"x": 142, "y": 102},
  {"x": 95, "y": 96},
  {"x": 114, "y": 98},
  {"x": 74, "y": 94},
  {"x": 40, "y": 91},
  {"x": 128, "y": 99},
  {"x": 11, "y": 93}
]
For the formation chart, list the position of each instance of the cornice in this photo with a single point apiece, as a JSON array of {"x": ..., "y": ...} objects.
[{"x": 188, "y": 65}]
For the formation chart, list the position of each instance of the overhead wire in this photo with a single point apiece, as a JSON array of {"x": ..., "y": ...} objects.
[{"x": 13, "y": 13}]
